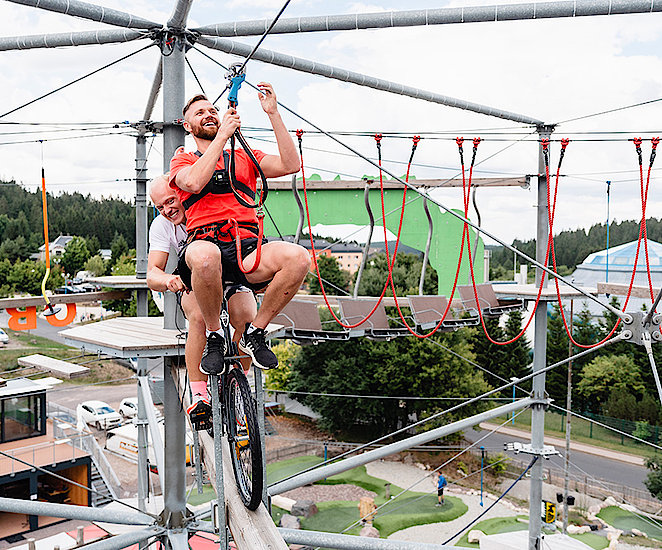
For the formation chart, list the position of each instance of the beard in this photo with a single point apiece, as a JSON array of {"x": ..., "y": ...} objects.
[{"x": 207, "y": 133}]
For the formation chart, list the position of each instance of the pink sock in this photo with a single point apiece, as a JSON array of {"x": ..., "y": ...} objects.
[{"x": 199, "y": 387}]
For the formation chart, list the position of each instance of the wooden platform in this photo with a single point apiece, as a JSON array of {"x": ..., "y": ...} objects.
[
  {"x": 82, "y": 297},
  {"x": 55, "y": 366},
  {"x": 622, "y": 290},
  {"x": 119, "y": 281},
  {"x": 127, "y": 337},
  {"x": 529, "y": 292}
]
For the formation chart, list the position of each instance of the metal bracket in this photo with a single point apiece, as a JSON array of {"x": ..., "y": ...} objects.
[
  {"x": 637, "y": 331},
  {"x": 527, "y": 449}
]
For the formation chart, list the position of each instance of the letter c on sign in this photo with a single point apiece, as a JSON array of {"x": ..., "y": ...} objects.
[
  {"x": 71, "y": 315},
  {"x": 22, "y": 320}
]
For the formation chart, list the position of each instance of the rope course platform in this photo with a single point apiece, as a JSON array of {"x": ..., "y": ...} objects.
[{"x": 83, "y": 297}]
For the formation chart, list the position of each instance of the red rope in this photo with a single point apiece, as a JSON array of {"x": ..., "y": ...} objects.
[
  {"x": 459, "y": 142},
  {"x": 299, "y": 134},
  {"x": 258, "y": 250}
]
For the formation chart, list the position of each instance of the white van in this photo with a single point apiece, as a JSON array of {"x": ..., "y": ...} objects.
[{"x": 124, "y": 442}]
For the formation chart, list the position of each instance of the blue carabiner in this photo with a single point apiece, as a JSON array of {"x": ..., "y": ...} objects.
[{"x": 236, "y": 82}]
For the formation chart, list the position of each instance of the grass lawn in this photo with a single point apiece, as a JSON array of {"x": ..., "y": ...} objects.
[
  {"x": 285, "y": 468},
  {"x": 622, "y": 519},
  {"x": 494, "y": 526},
  {"x": 100, "y": 371},
  {"x": 411, "y": 509},
  {"x": 208, "y": 494}
]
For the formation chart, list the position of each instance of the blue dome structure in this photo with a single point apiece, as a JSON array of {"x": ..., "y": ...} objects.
[{"x": 615, "y": 265}]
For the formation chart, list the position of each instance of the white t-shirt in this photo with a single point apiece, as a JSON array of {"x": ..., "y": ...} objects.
[{"x": 163, "y": 234}]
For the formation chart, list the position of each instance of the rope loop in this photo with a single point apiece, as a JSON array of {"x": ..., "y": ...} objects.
[
  {"x": 416, "y": 139},
  {"x": 459, "y": 141},
  {"x": 476, "y": 142},
  {"x": 564, "y": 143},
  {"x": 637, "y": 145},
  {"x": 378, "y": 138},
  {"x": 300, "y": 138}
]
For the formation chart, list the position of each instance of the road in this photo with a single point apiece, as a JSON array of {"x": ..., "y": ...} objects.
[
  {"x": 583, "y": 464},
  {"x": 44, "y": 328}
]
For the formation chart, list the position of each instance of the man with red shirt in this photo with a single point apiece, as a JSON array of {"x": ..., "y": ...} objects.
[{"x": 202, "y": 185}]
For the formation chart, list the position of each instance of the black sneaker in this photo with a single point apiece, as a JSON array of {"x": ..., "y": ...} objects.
[
  {"x": 255, "y": 345},
  {"x": 200, "y": 414},
  {"x": 212, "y": 357}
]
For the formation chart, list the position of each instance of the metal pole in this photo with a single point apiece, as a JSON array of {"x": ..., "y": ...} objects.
[
  {"x": 57, "y": 40},
  {"x": 221, "y": 520},
  {"x": 92, "y": 12},
  {"x": 174, "y": 489},
  {"x": 568, "y": 406},
  {"x": 179, "y": 14},
  {"x": 118, "y": 542},
  {"x": 426, "y": 255},
  {"x": 157, "y": 442},
  {"x": 143, "y": 442},
  {"x": 141, "y": 220},
  {"x": 336, "y": 73},
  {"x": 381, "y": 452},
  {"x": 174, "y": 66},
  {"x": 439, "y": 16},
  {"x": 69, "y": 511},
  {"x": 366, "y": 247},
  {"x": 295, "y": 192},
  {"x": 539, "y": 356},
  {"x": 352, "y": 542},
  {"x": 259, "y": 401},
  {"x": 154, "y": 92}
]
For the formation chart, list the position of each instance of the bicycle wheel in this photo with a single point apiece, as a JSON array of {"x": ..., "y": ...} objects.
[{"x": 244, "y": 438}]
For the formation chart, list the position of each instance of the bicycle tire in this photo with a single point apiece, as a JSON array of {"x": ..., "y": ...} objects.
[{"x": 244, "y": 438}]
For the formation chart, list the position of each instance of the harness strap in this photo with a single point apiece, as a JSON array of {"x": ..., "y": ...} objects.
[{"x": 219, "y": 184}]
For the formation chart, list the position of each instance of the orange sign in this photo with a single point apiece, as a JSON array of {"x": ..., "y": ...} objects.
[{"x": 27, "y": 319}]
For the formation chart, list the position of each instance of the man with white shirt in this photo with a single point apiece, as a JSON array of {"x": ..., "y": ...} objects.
[{"x": 167, "y": 231}]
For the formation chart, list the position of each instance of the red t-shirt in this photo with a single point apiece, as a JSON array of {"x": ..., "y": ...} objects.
[{"x": 217, "y": 208}]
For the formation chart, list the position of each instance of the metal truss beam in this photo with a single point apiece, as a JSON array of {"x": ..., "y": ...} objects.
[
  {"x": 387, "y": 450},
  {"x": 352, "y": 542},
  {"x": 312, "y": 67},
  {"x": 439, "y": 16},
  {"x": 69, "y": 511},
  {"x": 118, "y": 542},
  {"x": 180, "y": 14},
  {"x": 59, "y": 40},
  {"x": 154, "y": 92},
  {"x": 85, "y": 10}
]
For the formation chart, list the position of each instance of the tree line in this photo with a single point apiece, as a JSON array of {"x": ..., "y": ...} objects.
[{"x": 573, "y": 246}]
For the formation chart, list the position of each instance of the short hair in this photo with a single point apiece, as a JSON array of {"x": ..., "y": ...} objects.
[{"x": 197, "y": 97}]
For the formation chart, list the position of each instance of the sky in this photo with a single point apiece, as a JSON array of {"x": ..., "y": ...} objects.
[{"x": 553, "y": 70}]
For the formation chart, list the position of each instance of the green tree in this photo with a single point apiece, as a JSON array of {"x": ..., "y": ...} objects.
[
  {"x": 16, "y": 249},
  {"x": 75, "y": 256},
  {"x": 126, "y": 265},
  {"x": 406, "y": 275},
  {"x": 653, "y": 481},
  {"x": 286, "y": 351},
  {"x": 93, "y": 245},
  {"x": 335, "y": 280},
  {"x": 607, "y": 374},
  {"x": 556, "y": 382},
  {"x": 401, "y": 367},
  {"x": 489, "y": 355},
  {"x": 118, "y": 248},
  {"x": 26, "y": 277},
  {"x": 95, "y": 265}
]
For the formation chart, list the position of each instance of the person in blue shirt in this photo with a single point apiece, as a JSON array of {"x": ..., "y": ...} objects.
[{"x": 441, "y": 483}]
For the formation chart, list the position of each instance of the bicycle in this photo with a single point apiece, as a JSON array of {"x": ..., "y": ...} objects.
[{"x": 237, "y": 419}]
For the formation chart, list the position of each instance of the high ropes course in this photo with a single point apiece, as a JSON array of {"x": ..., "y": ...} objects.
[{"x": 254, "y": 529}]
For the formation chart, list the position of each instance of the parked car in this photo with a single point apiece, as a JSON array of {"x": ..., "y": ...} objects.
[
  {"x": 68, "y": 290},
  {"x": 99, "y": 414},
  {"x": 129, "y": 408},
  {"x": 4, "y": 339}
]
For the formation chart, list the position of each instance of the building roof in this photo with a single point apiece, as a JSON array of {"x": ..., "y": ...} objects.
[
  {"x": 621, "y": 258},
  {"x": 61, "y": 241},
  {"x": 20, "y": 386}
]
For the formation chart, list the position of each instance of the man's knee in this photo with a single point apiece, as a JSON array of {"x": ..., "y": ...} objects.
[
  {"x": 203, "y": 258},
  {"x": 300, "y": 260}
]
